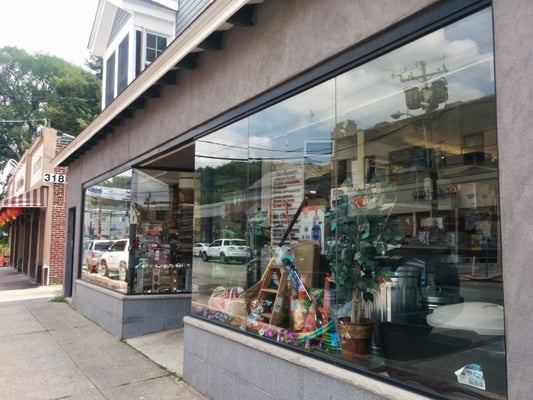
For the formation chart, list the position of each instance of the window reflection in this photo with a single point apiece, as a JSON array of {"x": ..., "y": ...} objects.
[
  {"x": 142, "y": 222},
  {"x": 106, "y": 229},
  {"x": 382, "y": 182}
]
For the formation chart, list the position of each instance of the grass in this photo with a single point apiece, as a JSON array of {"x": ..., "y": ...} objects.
[{"x": 57, "y": 299}]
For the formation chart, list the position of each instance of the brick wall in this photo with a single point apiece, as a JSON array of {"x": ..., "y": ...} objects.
[{"x": 59, "y": 222}]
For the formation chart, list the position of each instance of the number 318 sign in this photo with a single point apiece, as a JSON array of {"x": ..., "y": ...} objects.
[{"x": 54, "y": 178}]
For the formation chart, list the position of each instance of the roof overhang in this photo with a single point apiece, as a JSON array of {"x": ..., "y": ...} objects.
[{"x": 182, "y": 50}]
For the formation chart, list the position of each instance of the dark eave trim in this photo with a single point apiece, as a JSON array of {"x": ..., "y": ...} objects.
[
  {"x": 246, "y": 16},
  {"x": 213, "y": 41},
  {"x": 190, "y": 61}
]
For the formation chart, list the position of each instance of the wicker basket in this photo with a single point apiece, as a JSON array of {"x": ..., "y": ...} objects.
[{"x": 356, "y": 338}]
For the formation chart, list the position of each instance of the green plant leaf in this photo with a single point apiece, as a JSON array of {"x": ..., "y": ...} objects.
[{"x": 366, "y": 243}]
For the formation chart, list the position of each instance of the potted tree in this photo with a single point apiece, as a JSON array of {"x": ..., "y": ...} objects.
[{"x": 360, "y": 231}]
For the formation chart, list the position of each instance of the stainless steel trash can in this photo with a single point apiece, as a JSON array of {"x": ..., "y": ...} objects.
[
  {"x": 398, "y": 298},
  {"x": 434, "y": 296}
]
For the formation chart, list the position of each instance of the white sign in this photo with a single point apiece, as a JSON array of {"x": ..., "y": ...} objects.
[
  {"x": 287, "y": 194},
  {"x": 54, "y": 178},
  {"x": 109, "y": 193}
]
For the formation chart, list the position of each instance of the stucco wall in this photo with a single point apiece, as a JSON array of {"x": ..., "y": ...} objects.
[{"x": 514, "y": 91}]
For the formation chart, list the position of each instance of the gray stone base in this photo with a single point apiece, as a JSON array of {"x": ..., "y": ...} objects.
[
  {"x": 224, "y": 364},
  {"x": 127, "y": 316}
]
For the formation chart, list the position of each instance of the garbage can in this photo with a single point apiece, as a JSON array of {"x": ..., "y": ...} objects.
[
  {"x": 398, "y": 298},
  {"x": 435, "y": 296},
  {"x": 253, "y": 270}
]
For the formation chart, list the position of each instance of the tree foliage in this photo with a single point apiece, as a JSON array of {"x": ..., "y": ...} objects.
[{"x": 39, "y": 89}]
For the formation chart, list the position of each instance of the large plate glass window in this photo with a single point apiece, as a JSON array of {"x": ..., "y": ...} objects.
[
  {"x": 138, "y": 232},
  {"x": 370, "y": 198},
  {"x": 106, "y": 232}
]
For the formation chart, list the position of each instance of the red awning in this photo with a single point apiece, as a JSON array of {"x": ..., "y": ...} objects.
[{"x": 36, "y": 198}]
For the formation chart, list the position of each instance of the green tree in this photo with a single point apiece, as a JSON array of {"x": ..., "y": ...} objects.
[
  {"x": 96, "y": 65},
  {"x": 36, "y": 89},
  {"x": 70, "y": 106}
]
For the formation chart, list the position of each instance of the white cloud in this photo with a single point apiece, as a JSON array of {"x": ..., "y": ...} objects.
[{"x": 56, "y": 27}]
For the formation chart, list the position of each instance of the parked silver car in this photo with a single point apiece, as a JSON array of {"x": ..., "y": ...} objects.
[{"x": 228, "y": 249}]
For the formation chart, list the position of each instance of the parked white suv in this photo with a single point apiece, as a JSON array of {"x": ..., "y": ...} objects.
[
  {"x": 114, "y": 261},
  {"x": 93, "y": 251},
  {"x": 199, "y": 249},
  {"x": 228, "y": 249}
]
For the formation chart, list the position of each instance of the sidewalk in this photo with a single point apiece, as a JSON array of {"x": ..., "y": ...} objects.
[{"x": 50, "y": 351}]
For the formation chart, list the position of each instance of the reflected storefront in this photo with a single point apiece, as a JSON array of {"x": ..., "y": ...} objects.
[
  {"x": 370, "y": 197},
  {"x": 144, "y": 217}
]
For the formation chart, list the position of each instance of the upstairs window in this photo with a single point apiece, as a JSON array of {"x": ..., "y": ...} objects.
[
  {"x": 110, "y": 79},
  {"x": 154, "y": 46},
  {"x": 122, "y": 70}
]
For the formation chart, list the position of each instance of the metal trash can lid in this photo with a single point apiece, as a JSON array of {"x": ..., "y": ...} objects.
[
  {"x": 402, "y": 271},
  {"x": 436, "y": 295}
]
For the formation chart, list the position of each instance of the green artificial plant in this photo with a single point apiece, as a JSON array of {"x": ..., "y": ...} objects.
[{"x": 360, "y": 230}]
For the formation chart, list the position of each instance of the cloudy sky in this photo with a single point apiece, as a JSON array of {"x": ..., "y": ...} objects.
[
  {"x": 57, "y": 27},
  {"x": 367, "y": 95}
]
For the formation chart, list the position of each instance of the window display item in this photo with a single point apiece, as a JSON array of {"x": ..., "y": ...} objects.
[
  {"x": 472, "y": 375},
  {"x": 481, "y": 317},
  {"x": 355, "y": 337},
  {"x": 217, "y": 300},
  {"x": 234, "y": 305},
  {"x": 228, "y": 302}
]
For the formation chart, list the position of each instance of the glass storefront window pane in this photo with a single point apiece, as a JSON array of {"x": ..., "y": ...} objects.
[
  {"x": 145, "y": 217},
  {"x": 291, "y": 150},
  {"x": 161, "y": 219},
  {"x": 398, "y": 162},
  {"x": 221, "y": 207},
  {"x": 106, "y": 232}
]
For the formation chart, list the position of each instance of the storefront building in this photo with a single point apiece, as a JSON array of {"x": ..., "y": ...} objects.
[
  {"x": 34, "y": 210},
  {"x": 325, "y": 162}
]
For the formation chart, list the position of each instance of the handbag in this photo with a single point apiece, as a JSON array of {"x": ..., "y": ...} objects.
[
  {"x": 218, "y": 298},
  {"x": 234, "y": 305}
]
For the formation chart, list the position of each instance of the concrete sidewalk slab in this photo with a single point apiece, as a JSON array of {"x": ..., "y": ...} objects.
[
  {"x": 50, "y": 351},
  {"x": 15, "y": 286},
  {"x": 164, "y": 348}
]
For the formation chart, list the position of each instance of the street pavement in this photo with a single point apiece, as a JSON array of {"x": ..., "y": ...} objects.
[{"x": 49, "y": 351}]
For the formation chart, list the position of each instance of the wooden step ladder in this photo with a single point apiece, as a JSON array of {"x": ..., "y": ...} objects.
[{"x": 273, "y": 287}]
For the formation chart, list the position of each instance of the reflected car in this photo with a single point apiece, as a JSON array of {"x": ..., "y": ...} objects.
[
  {"x": 114, "y": 261},
  {"x": 199, "y": 249},
  {"x": 94, "y": 249},
  {"x": 228, "y": 249}
]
